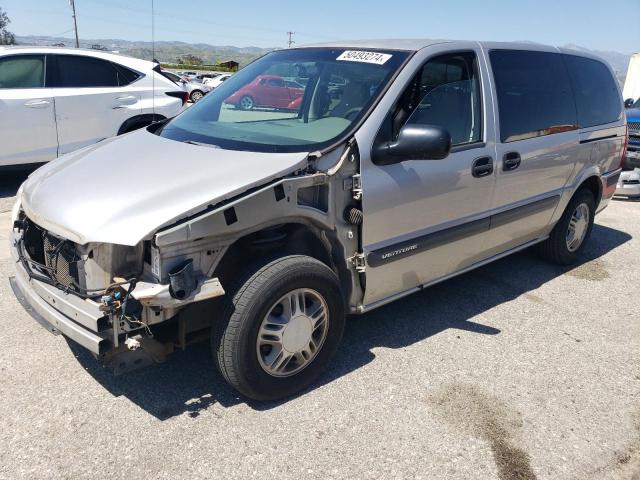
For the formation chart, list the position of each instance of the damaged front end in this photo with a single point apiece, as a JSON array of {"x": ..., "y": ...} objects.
[{"x": 105, "y": 296}]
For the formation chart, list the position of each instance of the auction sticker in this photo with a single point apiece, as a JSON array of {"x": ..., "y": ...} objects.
[{"x": 365, "y": 57}]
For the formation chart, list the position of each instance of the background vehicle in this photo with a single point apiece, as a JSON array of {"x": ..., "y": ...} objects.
[
  {"x": 217, "y": 81},
  {"x": 56, "y": 100},
  {"x": 629, "y": 182},
  {"x": 196, "y": 90},
  {"x": 204, "y": 76},
  {"x": 267, "y": 91},
  {"x": 437, "y": 157}
]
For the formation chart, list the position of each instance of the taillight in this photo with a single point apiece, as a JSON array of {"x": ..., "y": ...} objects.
[
  {"x": 624, "y": 147},
  {"x": 182, "y": 95}
]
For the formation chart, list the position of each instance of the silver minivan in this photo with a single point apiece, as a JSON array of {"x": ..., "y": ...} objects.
[{"x": 391, "y": 166}]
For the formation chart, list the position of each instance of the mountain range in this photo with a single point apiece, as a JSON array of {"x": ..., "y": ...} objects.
[{"x": 169, "y": 51}]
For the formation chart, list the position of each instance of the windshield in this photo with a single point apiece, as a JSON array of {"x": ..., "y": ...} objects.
[{"x": 288, "y": 101}]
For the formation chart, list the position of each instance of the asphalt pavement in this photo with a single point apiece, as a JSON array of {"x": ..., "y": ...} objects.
[{"x": 517, "y": 370}]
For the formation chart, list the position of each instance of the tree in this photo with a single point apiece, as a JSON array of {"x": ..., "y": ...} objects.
[
  {"x": 189, "y": 59},
  {"x": 6, "y": 37}
]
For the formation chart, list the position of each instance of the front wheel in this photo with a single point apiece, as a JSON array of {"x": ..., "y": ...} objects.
[
  {"x": 246, "y": 103},
  {"x": 569, "y": 237},
  {"x": 280, "y": 328}
]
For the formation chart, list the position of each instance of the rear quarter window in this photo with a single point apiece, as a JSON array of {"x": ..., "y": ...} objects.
[
  {"x": 126, "y": 76},
  {"x": 534, "y": 94},
  {"x": 597, "y": 98}
]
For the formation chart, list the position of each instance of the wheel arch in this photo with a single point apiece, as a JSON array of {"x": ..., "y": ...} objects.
[
  {"x": 290, "y": 238},
  {"x": 139, "y": 121},
  {"x": 594, "y": 185}
]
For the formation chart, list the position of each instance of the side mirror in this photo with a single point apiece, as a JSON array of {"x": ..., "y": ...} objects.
[
  {"x": 628, "y": 103},
  {"x": 415, "y": 142}
]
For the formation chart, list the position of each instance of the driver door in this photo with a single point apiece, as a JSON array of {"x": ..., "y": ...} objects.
[{"x": 425, "y": 219}]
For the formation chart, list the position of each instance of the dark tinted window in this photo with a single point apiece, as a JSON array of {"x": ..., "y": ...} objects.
[
  {"x": 77, "y": 71},
  {"x": 597, "y": 98},
  {"x": 125, "y": 75},
  {"x": 22, "y": 71},
  {"x": 534, "y": 94},
  {"x": 447, "y": 93},
  {"x": 275, "y": 82}
]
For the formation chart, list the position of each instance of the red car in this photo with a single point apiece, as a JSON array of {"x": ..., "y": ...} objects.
[{"x": 267, "y": 91}]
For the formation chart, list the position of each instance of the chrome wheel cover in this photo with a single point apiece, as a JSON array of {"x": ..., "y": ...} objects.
[
  {"x": 293, "y": 332},
  {"x": 246, "y": 103},
  {"x": 195, "y": 96},
  {"x": 578, "y": 226}
]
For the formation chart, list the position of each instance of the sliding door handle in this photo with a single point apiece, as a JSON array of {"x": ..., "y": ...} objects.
[{"x": 511, "y": 161}]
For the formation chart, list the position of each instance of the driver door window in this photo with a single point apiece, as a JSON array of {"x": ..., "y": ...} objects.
[{"x": 446, "y": 93}]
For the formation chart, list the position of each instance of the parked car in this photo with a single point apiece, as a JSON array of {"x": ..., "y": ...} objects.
[
  {"x": 204, "y": 76},
  {"x": 217, "y": 81},
  {"x": 266, "y": 91},
  {"x": 438, "y": 157},
  {"x": 56, "y": 100},
  {"x": 196, "y": 90},
  {"x": 629, "y": 182}
]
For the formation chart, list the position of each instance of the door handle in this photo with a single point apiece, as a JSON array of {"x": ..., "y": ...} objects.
[
  {"x": 511, "y": 161},
  {"x": 124, "y": 102},
  {"x": 482, "y": 167},
  {"x": 37, "y": 103}
]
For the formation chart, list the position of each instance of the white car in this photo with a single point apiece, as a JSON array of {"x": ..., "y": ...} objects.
[
  {"x": 214, "y": 83},
  {"x": 56, "y": 100}
]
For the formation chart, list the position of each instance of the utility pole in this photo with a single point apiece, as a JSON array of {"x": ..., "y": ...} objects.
[
  {"x": 291, "y": 42},
  {"x": 72, "y": 4}
]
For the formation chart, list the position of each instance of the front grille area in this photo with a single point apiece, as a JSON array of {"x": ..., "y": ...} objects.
[
  {"x": 61, "y": 257},
  {"x": 634, "y": 125},
  {"x": 54, "y": 257}
]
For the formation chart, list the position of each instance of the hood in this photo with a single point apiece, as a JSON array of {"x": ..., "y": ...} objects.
[{"x": 125, "y": 188}]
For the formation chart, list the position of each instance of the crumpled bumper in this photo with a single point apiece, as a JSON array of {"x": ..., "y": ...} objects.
[
  {"x": 78, "y": 319},
  {"x": 81, "y": 319}
]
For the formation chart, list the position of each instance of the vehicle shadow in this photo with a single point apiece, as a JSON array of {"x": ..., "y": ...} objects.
[
  {"x": 10, "y": 181},
  {"x": 187, "y": 382}
]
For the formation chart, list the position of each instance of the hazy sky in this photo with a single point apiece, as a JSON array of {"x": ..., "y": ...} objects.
[{"x": 595, "y": 24}]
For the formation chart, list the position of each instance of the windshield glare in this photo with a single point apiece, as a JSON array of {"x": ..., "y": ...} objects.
[{"x": 288, "y": 101}]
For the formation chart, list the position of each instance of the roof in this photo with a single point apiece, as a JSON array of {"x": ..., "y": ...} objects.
[
  {"x": 407, "y": 44},
  {"x": 415, "y": 44},
  {"x": 115, "y": 57}
]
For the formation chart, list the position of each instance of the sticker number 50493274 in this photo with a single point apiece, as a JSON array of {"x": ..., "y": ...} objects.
[{"x": 366, "y": 57}]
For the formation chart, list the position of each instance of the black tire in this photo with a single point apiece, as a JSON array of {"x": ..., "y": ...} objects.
[
  {"x": 196, "y": 95},
  {"x": 555, "y": 248},
  {"x": 234, "y": 336}
]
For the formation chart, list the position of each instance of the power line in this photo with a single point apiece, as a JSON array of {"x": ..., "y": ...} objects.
[{"x": 290, "y": 42}]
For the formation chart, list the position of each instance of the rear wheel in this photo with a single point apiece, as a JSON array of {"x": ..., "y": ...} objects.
[
  {"x": 569, "y": 237},
  {"x": 196, "y": 95},
  {"x": 282, "y": 324}
]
